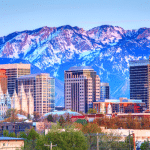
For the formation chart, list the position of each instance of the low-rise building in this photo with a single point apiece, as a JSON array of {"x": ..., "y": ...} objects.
[
  {"x": 15, "y": 127},
  {"x": 87, "y": 117},
  {"x": 122, "y": 105},
  {"x": 11, "y": 143}
]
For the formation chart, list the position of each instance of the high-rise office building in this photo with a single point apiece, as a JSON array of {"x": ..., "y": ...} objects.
[
  {"x": 140, "y": 81},
  {"x": 3, "y": 80},
  {"x": 82, "y": 88},
  {"x": 14, "y": 71},
  {"x": 42, "y": 89},
  {"x": 104, "y": 91}
]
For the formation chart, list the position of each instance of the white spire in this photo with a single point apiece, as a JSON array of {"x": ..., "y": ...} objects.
[
  {"x": 8, "y": 99},
  {"x": 109, "y": 109},
  {"x": 2, "y": 98},
  {"x": 23, "y": 99},
  {"x": 30, "y": 103},
  {"x": 15, "y": 102}
]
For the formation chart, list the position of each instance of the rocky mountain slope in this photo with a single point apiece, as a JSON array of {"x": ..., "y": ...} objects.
[{"x": 108, "y": 49}]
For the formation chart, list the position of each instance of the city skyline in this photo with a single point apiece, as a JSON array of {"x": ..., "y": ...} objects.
[{"x": 28, "y": 15}]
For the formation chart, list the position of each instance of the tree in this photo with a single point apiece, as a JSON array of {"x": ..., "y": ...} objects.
[
  {"x": 12, "y": 134},
  {"x": 91, "y": 128},
  {"x": 62, "y": 121},
  {"x": 33, "y": 135},
  {"x": 11, "y": 115},
  {"x": 145, "y": 145},
  {"x": 55, "y": 118},
  {"x": 50, "y": 118},
  {"x": 65, "y": 140},
  {"x": 36, "y": 116},
  {"x": 92, "y": 111},
  {"x": 22, "y": 135},
  {"x": 82, "y": 121},
  {"x": 129, "y": 141},
  {"x": 6, "y": 133},
  {"x": 68, "y": 120}
]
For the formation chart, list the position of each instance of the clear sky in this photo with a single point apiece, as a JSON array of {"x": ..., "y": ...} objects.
[{"x": 19, "y": 15}]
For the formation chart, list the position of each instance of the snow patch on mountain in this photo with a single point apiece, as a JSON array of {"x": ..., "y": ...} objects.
[
  {"x": 106, "y": 48},
  {"x": 119, "y": 50}
]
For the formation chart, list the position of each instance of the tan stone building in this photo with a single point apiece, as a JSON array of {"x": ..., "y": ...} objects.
[{"x": 82, "y": 88}]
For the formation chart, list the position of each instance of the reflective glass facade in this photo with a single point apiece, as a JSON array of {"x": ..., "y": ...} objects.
[
  {"x": 139, "y": 81},
  {"x": 104, "y": 93},
  {"x": 42, "y": 88}
]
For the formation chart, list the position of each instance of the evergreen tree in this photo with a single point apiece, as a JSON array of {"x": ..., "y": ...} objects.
[
  {"x": 50, "y": 118},
  {"x": 12, "y": 134},
  {"x": 68, "y": 120},
  {"x": 62, "y": 121},
  {"x": 5, "y": 133}
]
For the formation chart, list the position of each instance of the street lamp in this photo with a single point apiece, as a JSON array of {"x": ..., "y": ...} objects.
[{"x": 133, "y": 140}]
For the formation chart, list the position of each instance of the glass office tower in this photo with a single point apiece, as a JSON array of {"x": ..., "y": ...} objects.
[
  {"x": 42, "y": 89},
  {"x": 140, "y": 81},
  {"x": 104, "y": 91}
]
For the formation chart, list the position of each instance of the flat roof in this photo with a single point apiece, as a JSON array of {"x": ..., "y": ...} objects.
[
  {"x": 14, "y": 66},
  {"x": 133, "y": 114},
  {"x": 10, "y": 138},
  {"x": 104, "y": 84},
  {"x": 34, "y": 75},
  {"x": 139, "y": 62},
  {"x": 80, "y": 68}
]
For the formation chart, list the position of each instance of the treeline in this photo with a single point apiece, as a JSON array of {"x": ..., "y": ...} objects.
[
  {"x": 128, "y": 122},
  {"x": 71, "y": 139}
]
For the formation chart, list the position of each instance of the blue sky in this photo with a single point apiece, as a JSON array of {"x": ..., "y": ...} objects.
[{"x": 19, "y": 15}]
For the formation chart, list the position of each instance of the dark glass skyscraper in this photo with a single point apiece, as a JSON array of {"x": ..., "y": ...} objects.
[
  {"x": 104, "y": 91},
  {"x": 140, "y": 80}
]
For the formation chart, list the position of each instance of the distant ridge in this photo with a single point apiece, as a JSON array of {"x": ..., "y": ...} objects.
[{"x": 107, "y": 49}]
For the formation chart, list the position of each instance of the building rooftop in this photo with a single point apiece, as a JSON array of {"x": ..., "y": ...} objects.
[
  {"x": 139, "y": 62},
  {"x": 104, "y": 84},
  {"x": 32, "y": 75},
  {"x": 59, "y": 113},
  {"x": 123, "y": 101},
  {"x": 80, "y": 68},
  {"x": 15, "y": 66},
  {"x": 10, "y": 138}
]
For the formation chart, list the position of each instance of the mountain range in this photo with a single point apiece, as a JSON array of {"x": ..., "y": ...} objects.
[{"x": 107, "y": 49}]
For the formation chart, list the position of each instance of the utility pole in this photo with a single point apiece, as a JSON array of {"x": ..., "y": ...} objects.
[
  {"x": 134, "y": 141},
  {"x": 97, "y": 142},
  {"x": 50, "y": 146},
  {"x": 129, "y": 141}
]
